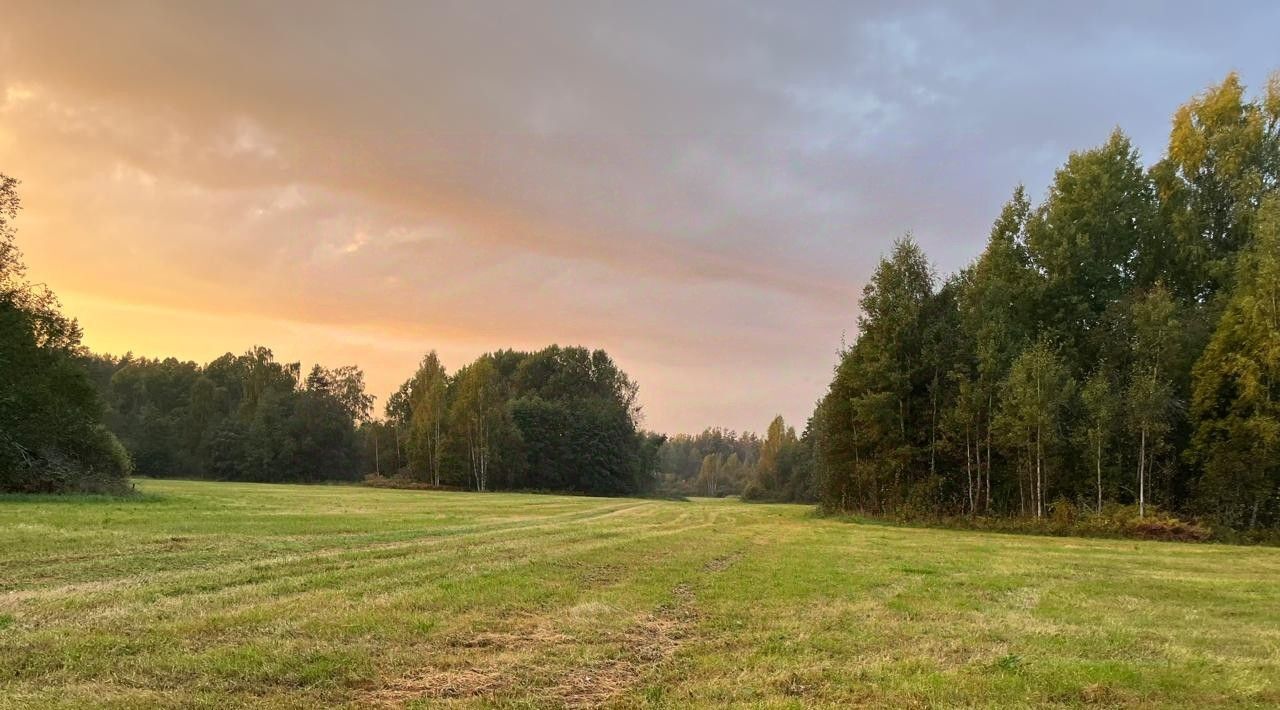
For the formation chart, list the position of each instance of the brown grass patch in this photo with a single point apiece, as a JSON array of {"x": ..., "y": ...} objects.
[
  {"x": 512, "y": 658},
  {"x": 722, "y": 563},
  {"x": 645, "y": 644},
  {"x": 436, "y": 685}
]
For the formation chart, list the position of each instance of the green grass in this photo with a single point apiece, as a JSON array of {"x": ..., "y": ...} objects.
[{"x": 219, "y": 594}]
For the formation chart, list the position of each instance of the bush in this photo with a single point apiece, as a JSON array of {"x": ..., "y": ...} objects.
[
  {"x": 99, "y": 463},
  {"x": 1068, "y": 520}
]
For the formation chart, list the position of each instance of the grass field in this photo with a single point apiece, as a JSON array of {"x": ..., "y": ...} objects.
[{"x": 219, "y": 594}]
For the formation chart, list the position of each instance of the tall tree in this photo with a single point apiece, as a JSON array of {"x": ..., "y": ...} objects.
[
  {"x": 478, "y": 407},
  {"x": 1223, "y": 159},
  {"x": 770, "y": 468},
  {"x": 880, "y": 384},
  {"x": 1236, "y": 401},
  {"x": 1084, "y": 239},
  {"x": 428, "y": 418},
  {"x": 709, "y": 475},
  {"x": 1150, "y": 395},
  {"x": 1036, "y": 394},
  {"x": 995, "y": 301},
  {"x": 1101, "y": 408}
]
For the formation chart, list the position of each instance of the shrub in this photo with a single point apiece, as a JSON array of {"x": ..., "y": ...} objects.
[{"x": 375, "y": 480}]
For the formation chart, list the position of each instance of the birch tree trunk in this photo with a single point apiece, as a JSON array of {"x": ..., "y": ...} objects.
[
  {"x": 968, "y": 471},
  {"x": 1142, "y": 480},
  {"x": 1099, "y": 462},
  {"x": 990, "y": 414}
]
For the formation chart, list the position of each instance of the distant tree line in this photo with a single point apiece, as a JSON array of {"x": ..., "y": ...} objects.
[
  {"x": 52, "y": 437},
  {"x": 560, "y": 419},
  {"x": 714, "y": 463},
  {"x": 238, "y": 418},
  {"x": 1117, "y": 343},
  {"x": 719, "y": 462}
]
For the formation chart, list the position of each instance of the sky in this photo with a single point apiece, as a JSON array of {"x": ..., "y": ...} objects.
[{"x": 700, "y": 188}]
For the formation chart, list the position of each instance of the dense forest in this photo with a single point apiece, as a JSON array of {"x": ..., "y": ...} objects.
[
  {"x": 1117, "y": 343},
  {"x": 238, "y": 418},
  {"x": 560, "y": 419}
]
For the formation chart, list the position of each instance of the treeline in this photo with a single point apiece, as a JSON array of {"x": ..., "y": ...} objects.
[
  {"x": 52, "y": 438},
  {"x": 239, "y": 418},
  {"x": 559, "y": 419},
  {"x": 718, "y": 462},
  {"x": 1117, "y": 343}
]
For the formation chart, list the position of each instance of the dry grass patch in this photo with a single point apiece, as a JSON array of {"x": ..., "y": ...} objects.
[{"x": 494, "y": 663}]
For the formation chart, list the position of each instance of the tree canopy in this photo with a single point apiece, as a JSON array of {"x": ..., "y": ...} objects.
[{"x": 1113, "y": 344}]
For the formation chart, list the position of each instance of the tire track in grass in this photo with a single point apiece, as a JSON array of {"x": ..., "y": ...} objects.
[
  {"x": 344, "y": 540},
  {"x": 364, "y": 567},
  {"x": 387, "y": 578},
  {"x": 436, "y": 537},
  {"x": 223, "y": 593},
  {"x": 400, "y": 577},
  {"x": 494, "y": 565},
  {"x": 391, "y": 575},
  {"x": 649, "y": 641},
  {"x": 339, "y": 544}
]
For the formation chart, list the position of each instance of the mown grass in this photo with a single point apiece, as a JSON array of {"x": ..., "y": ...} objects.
[{"x": 220, "y": 595}]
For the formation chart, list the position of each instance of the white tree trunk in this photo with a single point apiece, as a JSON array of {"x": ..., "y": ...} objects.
[
  {"x": 968, "y": 471},
  {"x": 1099, "y": 461},
  {"x": 1142, "y": 475}
]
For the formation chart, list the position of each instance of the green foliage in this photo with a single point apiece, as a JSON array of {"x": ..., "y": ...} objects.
[
  {"x": 1154, "y": 287},
  {"x": 241, "y": 418},
  {"x": 52, "y": 438},
  {"x": 423, "y": 416},
  {"x": 783, "y": 469},
  {"x": 1032, "y": 419},
  {"x": 1084, "y": 239},
  {"x": 1223, "y": 158},
  {"x": 1237, "y": 390},
  {"x": 345, "y": 386},
  {"x": 682, "y": 457},
  {"x": 881, "y": 389},
  {"x": 559, "y": 419},
  {"x": 1101, "y": 407},
  {"x": 1065, "y": 519}
]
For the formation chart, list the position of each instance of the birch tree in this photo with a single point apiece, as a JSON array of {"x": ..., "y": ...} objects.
[
  {"x": 1101, "y": 406},
  {"x": 1035, "y": 395}
]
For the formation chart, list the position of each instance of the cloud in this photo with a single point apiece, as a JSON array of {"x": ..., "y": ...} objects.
[{"x": 701, "y": 188}]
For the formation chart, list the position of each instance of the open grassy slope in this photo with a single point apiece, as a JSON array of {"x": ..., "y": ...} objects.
[{"x": 218, "y": 594}]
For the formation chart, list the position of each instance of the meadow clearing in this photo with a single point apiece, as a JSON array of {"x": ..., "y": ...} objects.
[{"x": 221, "y": 594}]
